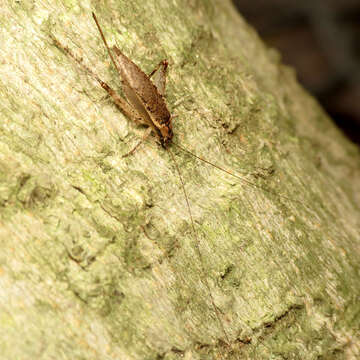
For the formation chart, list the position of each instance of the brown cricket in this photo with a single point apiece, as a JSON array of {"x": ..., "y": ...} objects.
[
  {"x": 148, "y": 107},
  {"x": 145, "y": 104}
]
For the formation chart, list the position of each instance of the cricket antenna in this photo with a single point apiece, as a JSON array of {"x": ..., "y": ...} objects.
[
  {"x": 241, "y": 178},
  {"x": 197, "y": 247}
]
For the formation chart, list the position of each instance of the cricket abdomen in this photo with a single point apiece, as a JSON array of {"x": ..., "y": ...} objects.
[{"x": 147, "y": 95}]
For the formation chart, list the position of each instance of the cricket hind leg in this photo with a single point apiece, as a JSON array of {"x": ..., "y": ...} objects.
[
  {"x": 130, "y": 112},
  {"x": 122, "y": 104},
  {"x": 158, "y": 76}
]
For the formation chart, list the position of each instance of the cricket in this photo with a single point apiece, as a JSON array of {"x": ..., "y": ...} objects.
[{"x": 144, "y": 104}]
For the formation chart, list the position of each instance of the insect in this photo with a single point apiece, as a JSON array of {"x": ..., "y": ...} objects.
[{"x": 145, "y": 104}]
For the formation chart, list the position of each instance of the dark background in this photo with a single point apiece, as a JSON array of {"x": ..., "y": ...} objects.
[{"x": 321, "y": 40}]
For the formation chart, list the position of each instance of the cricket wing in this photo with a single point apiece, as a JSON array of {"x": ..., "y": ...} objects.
[
  {"x": 137, "y": 85},
  {"x": 133, "y": 99}
]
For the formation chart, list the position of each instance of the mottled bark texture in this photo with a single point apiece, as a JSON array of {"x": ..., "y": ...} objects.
[{"x": 98, "y": 256}]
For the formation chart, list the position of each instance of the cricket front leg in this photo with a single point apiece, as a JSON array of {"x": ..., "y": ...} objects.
[{"x": 143, "y": 138}]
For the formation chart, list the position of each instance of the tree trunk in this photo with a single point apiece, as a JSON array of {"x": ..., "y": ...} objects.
[{"x": 99, "y": 259}]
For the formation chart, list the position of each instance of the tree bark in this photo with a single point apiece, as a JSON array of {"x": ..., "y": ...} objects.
[{"x": 99, "y": 259}]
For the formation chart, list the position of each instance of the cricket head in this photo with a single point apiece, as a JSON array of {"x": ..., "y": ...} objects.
[{"x": 166, "y": 135}]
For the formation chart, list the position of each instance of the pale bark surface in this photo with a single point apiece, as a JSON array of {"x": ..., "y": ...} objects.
[{"x": 98, "y": 257}]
